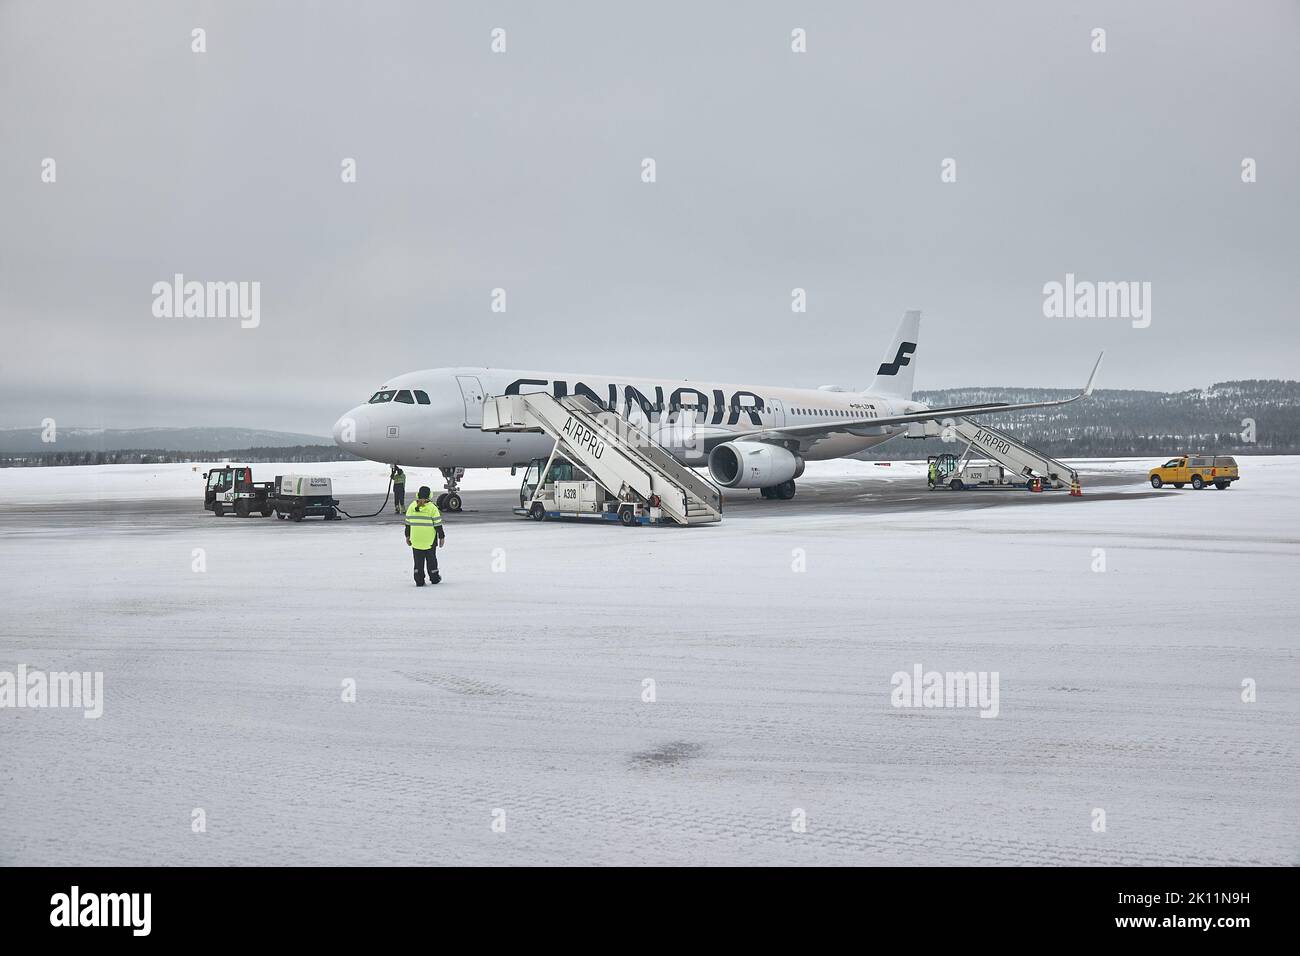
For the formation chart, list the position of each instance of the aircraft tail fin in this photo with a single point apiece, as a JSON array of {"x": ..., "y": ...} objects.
[{"x": 896, "y": 372}]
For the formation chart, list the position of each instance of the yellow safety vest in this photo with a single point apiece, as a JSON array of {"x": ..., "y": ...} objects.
[
  {"x": 423, "y": 521},
  {"x": 399, "y": 478}
]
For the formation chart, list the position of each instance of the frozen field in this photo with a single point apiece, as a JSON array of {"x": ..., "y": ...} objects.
[{"x": 517, "y": 684}]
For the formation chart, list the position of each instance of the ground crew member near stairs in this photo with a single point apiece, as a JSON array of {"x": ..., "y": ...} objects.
[
  {"x": 424, "y": 534},
  {"x": 399, "y": 489},
  {"x": 934, "y": 473}
]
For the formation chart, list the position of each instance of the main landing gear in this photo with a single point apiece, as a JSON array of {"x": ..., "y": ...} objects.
[
  {"x": 784, "y": 491},
  {"x": 449, "y": 500}
]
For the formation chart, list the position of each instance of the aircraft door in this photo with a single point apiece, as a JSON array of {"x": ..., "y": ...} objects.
[
  {"x": 471, "y": 390},
  {"x": 775, "y": 411}
]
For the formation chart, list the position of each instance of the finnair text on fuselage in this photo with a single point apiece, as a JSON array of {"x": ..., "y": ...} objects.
[{"x": 614, "y": 396}]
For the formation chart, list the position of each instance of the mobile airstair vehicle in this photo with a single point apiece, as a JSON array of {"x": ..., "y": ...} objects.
[
  {"x": 626, "y": 473},
  {"x": 1017, "y": 464}
]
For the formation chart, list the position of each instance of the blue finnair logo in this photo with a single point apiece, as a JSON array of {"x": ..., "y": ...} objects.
[{"x": 905, "y": 351}]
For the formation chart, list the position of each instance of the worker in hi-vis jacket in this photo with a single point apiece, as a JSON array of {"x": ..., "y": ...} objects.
[
  {"x": 399, "y": 489},
  {"x": 424, "y": 535}
]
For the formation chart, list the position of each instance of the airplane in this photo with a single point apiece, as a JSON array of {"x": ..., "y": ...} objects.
[{"x": 432, "y": 419}]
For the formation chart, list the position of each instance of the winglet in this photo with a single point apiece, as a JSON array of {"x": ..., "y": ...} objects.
[{"x": 1092, "y": 379}]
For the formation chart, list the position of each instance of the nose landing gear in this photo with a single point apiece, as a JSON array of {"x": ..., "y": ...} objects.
[{"x": 449, "y": 500}]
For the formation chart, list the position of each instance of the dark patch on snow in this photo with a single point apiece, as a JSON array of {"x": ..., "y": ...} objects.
[
  {"x": 667, "y": 755},
  {"x": 465, "y": 686}
]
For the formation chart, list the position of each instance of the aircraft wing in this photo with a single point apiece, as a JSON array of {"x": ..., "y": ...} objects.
[{"x": 818, "y": 430}]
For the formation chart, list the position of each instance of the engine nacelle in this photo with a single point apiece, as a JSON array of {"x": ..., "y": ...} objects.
[{"x": 752, "y": 464}]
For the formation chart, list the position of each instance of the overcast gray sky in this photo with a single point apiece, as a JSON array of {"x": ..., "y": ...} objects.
[{"x": 522, "y": 170}]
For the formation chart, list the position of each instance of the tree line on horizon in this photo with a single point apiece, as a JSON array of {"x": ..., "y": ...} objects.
[
  {"x": 154, "y": 456},
  {"x": 1252, "y": 417}
]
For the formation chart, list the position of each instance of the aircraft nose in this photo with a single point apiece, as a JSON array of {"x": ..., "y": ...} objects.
[{"x": 352, "y": 429}]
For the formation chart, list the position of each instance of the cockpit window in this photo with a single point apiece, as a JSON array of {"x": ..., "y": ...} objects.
[
  {"x": 405, "y": 397},
  {"x": 422, "y": 397},
  {"x": 378, "y": 397}
]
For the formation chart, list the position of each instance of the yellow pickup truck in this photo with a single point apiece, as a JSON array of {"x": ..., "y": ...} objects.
[{"x": 1197, "y": 471}]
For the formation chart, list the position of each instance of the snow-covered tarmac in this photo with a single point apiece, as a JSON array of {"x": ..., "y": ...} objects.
[{"x": 516, "y": 690}]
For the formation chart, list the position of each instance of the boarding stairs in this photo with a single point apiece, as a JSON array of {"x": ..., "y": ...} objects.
[
  {"x": 616, "y": 453},
  {"x": 1014, "y": 455}
]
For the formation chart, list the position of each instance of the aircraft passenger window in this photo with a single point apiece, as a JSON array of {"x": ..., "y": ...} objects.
[
  {"x": 378, "y": 397},
  {"x": 404, "y": 397},
  {"x": 422, "y": 397}
]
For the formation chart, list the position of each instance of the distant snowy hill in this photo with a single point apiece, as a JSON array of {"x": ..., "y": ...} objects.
[
  {"x": 1248, "y": 417},
  {"x": 19, "y": 440}
]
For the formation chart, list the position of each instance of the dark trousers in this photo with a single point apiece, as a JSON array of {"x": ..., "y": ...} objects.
[
  {"x": 399, "y": 497},
  {"x": 425, "y": 559}
]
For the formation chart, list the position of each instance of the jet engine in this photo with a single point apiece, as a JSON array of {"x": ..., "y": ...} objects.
[{"x": 753, "y": 464}]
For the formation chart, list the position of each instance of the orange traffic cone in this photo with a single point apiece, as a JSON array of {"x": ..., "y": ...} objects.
[{"x": 1076, "y": 491}]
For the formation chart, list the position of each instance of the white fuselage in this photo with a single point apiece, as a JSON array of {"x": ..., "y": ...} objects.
[{"x": 431, "y": 418}]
